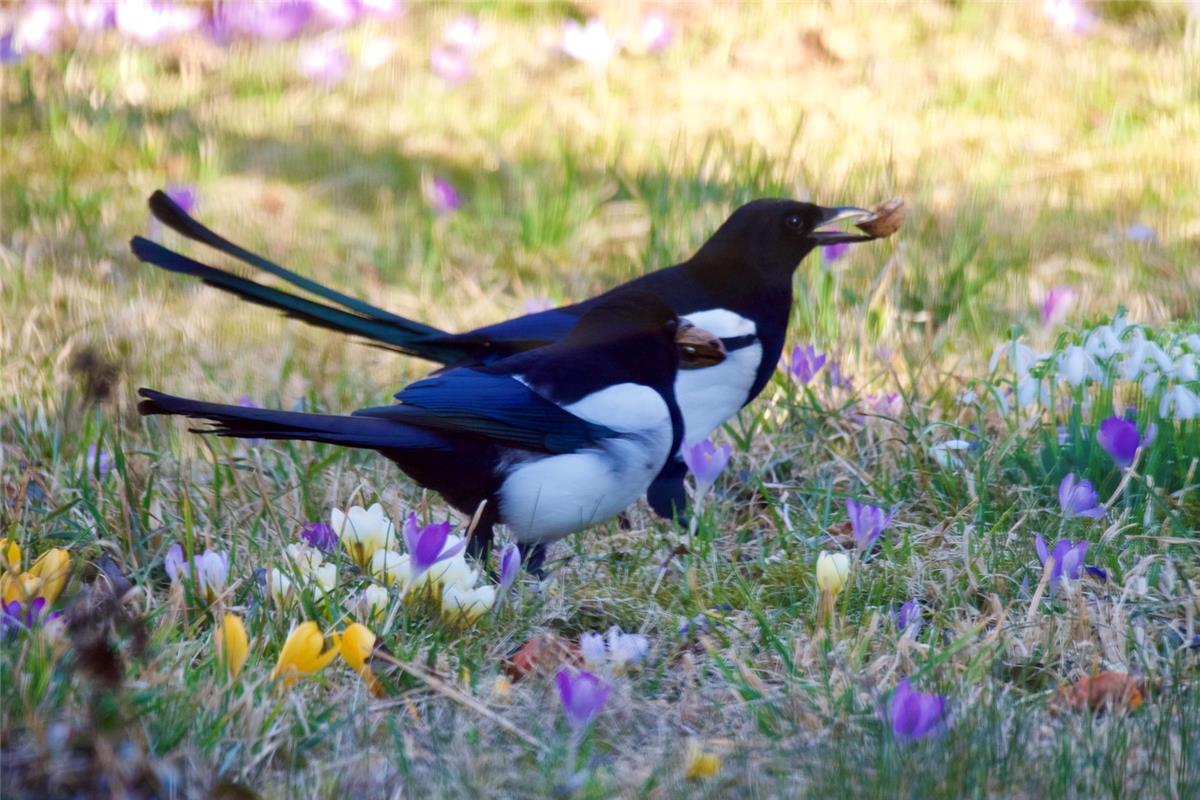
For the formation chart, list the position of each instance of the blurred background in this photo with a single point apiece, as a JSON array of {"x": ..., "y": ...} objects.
[{"x": 464, "y": 163}]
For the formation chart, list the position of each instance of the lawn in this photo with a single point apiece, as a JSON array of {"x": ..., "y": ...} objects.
[{"x": 463, "y": 169}]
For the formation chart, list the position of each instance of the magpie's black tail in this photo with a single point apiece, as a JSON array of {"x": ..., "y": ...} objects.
[
  {"x": 355, "y": 316},
  {"x": 263, "y": 423}
]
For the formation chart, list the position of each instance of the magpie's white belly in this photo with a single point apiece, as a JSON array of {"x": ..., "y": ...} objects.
[
  {"x": 546, "y": 498},
  {"x": 707, "y": 397}
]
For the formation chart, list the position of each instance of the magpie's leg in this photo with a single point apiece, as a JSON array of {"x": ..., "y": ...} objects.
[
  {"x": 479, "y": 546},
  {"x": 667, "y": 495},
  {"x": 535, "y": 560}
]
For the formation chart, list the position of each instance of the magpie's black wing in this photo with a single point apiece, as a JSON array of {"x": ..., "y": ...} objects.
[{"x": 491, "y": 406}]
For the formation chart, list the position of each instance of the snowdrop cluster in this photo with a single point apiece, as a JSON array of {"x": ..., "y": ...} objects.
[{"x": 1163, "y": 365}]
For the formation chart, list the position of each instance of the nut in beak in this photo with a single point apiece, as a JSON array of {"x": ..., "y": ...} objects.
[{"x": 697, "y": 347}]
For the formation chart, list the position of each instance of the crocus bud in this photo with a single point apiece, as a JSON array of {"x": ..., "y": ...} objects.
[{"x": 833, "y": 572}]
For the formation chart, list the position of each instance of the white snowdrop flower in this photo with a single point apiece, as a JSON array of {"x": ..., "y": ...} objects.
[
  {"x": 1184, "y": 368},
  {"x": 1032, "y": 390},
  {"x": 1103, "y": 343},
  {"x": 1020, "y": 357},
  {"x": 1193, "y": 342},
  {"x": 1179, "y": 403},
  {"x": 1075, "y": 366},
  {"x": 1160, "y": 358}
]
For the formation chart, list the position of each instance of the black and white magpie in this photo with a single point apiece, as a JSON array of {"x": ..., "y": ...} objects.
[
  {"x": 738, "y": 285},
  {"x": 554, "y": 439}
]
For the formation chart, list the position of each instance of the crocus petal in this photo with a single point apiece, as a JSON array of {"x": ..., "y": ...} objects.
[
  {"x": 591, "y": 647},
  {"x": 510, "y": 566},
  {"x": 233, "y": 643},
  {"x": 1119, "y": 438}
]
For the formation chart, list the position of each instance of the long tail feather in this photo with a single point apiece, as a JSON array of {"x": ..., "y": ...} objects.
[
  {"x": 309, "y": 311},
  {"x": 168, "y": 212},
  {"x": 263, "y": 423}
]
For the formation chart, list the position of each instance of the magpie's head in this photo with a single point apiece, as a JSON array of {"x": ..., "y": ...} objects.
[
  {"x": 635, "y": 334},
  {"x": 768, "y": 238}
]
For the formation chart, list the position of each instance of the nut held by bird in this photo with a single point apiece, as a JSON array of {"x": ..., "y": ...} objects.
[{"x": 886, "y": 219}]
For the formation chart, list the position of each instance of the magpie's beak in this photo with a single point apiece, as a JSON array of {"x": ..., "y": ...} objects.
[
  {"x": 697, "y": 347},
  {"x": 835, "y": 215}
]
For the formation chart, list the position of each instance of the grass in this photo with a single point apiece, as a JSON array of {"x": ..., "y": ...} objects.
[{"x": 1024, "y": 154}]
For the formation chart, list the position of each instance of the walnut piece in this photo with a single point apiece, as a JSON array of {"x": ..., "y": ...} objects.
[{"x": 886, "y": 219}]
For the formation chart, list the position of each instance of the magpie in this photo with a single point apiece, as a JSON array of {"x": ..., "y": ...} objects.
[
  {"x": 554, "y": 439},
  {"x": 738, "y": 285}
]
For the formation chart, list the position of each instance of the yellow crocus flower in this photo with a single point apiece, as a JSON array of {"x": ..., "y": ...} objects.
[
  {"x": 10, "y": 555},
  {"x": 302, "y": 653},
  {"x": 52, "y": 569},
  {"x": 833, "y": 572},
  {"x": 356, "y": 644},
  {"x": 702, "y": 764},
  {"x": 233, "y": 644}
]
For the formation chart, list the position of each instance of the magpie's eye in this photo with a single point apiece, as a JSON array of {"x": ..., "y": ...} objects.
[{"x": 793, "y": 222}]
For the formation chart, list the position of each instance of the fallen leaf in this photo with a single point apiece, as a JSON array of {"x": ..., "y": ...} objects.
[
  {"x": 1105, "y": 690},
  {"x": 543, "y": 654}
]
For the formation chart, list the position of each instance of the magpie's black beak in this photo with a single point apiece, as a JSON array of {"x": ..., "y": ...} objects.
[
  {"x": 835, "y": 215},
  {"x": 697, "y": 347}
]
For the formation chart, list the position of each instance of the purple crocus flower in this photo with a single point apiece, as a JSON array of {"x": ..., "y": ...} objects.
[
  {"x": 1079, "y": 498},
  {"x": 336, "y": 13},
  {"x": 184, "y": 195},
  {"x": 324, "y": 63},
  {"x": 212, "y": 570},
  {"x": 427, "y": 545},
  {"x": 1069, "y": 16},
  {"x": 868, "y": 522},
  {"x": 38, "y": 29},
  {"x": 1057, "y": 305},
  {"x": 1119, "y": 438},
  {"x": 582, "y": 695},
  {"x": 320, "y": 535},
  {"x": 837, "y": 379},
  {"x": 657, "y": 32},
  {"x": 148, "y": 22},
  {"x": 909, "y": 615},
  {"x": 805, "y": 363},
  {"x": 706, "y": 461},
  {"x": 450, "y": 64},
  {"x": 510, "y": 566},
  {"x": 1068, "y": 558},
  {"x": 8, "y": 49},
  {"x": 268, "y": 21},
  {"x": 1140, "y": 233},
  {"x": 89, "y": 16},
  {"x": 464, "y": 33},
  {"x": 914, "y": 714},
  {"x": 831, "y": 253},
  {"x": 98, "y": 461},
  {"x": 14, "y": 616},
  {"x": 441, "y": 196}
]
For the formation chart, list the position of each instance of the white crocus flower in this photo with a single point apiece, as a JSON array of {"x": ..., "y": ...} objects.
[
  {"x": 467, "y": 605},
  {"x": 373, "y": 601},
  {"x": 945, "y": 453},
  {"x": 325, "y": 576},
  {"x": 363, "y": 532},
  {"x": 392, "y": 568},
  {"x": 591, "y": 647},
  {"x": 626, "y": 650},
  {"x": 280, "y": 587},
  {"x": 1179, "y": 403},
  {"x": 307, "y": 559},
  {"x": 452, "y": 572}
]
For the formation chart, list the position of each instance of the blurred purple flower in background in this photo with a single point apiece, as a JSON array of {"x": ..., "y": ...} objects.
[
  {"x": 323, "y": 62},
  {"x": 376, "y": 51},
  {"x": 914, "y": 714},
  {"x": 90, "y": 16},
  {"x": 336, "y": 13},
  {"x": 510, "y": 567},
  {"x": 1140, "y": 233},
  {"x": 8, "y": 49},
  {"x": 268, "y": 21},
  {"x": 15, "y": 616},
  {"x": 837, "y": 379},
  {"x": 706, "y": 461},
  {"x": 1057, "y": 305},
  {"x": 909, "y": 616},
  {"x": 1068, "y": 558},
  {"x": 1119, "y": 438},
  {"x": 1069, "y": 16},
  {"x": 383, "y": 9},
  {"x": 185, "y": 196},
  {"x": 97, "y": 462},
  {"x": 832, "y": 252},
  {"x": 658, "y": 32},
  {"x": 440, "y": 195},
  {"x": 450, "y": 64},
  {"x": 1078, "y": 498},
  {"x": 464, "y": 33},
  {"x": 590, "y": 44},
  {"x": 582, "y": 695},
  {"x": 320, "y": 535},
  {"x": 805, "y": 363},
  {"x": 38, "y": 29},
  {"x": 147, "y": 22},
  {"x": 868, "y": 523}
]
